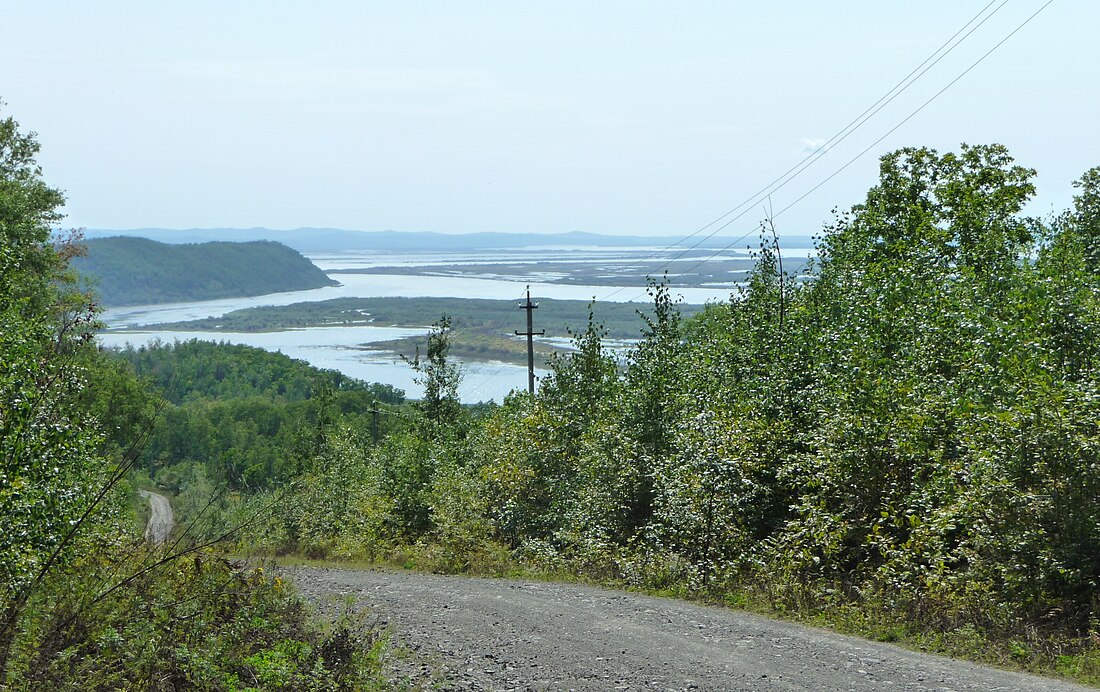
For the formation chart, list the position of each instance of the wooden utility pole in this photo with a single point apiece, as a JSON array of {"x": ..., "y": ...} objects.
[{"x": 530, "y": 334}]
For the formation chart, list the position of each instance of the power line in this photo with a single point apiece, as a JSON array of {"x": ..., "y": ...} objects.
[
  {"x": 938, "y": 55},
  {"x": 492, "y": 376},
  {"x": 862, "y": 153},
  {"x": 918, "y": 110},
  {"x": 794, "y": 171}
]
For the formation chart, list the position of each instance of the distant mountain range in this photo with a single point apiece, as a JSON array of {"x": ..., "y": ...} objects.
[{"x": 340, "y": 240}]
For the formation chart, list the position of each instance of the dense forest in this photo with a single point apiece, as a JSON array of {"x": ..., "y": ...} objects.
[
  {"x": 84, "y": 602},
  {"x": 237, "y": 418},
  {"x": 137, "y": 271},
  {"x": 905, "y": 444},
  {"x": 902, "y": 442}
]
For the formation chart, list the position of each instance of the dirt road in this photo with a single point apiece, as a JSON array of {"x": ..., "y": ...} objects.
[
  {"x": 161, "y": 520},
  {"x": 489, "y": 634}
]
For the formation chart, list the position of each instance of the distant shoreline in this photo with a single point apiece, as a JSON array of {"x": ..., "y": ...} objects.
[{"x": 311, "y": 240}]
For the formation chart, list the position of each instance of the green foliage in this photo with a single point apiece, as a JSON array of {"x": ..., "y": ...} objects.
[
  {"x": 651, "y": 407},
  {"x": 461, "y": 532},
  {"x": 82, "y": 604},
  {"x": 1086, "y": 217},
  {"x": 49, "y": 464},
  {"x": 515, "y": 453},
  {"x": 137, "y": 271},
  {"x": 909, "y": 434},
  {"x": 252, "y": 419},
  {"x": 440, "y": 377},
  {"x": 195, "y": 369},
  {"x": 200, "y": 623},
  {"x": 49, "y": 467},
  {"x": 124, "y": 406},
  {"x": 906, "y": 440},
  {"x": 28, "y": 209}
]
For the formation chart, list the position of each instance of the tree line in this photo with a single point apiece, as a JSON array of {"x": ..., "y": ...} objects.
[
  {"x": 905, "y": 434},
  {"x": 84, "y": 602},
  {"x": 910, "y": 434},
  {"x": 139, "y": 271}
]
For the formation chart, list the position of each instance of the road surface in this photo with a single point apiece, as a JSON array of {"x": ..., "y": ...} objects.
[
  {"x": 161, "y": 520},
  {"x": 491, "y": 634}
]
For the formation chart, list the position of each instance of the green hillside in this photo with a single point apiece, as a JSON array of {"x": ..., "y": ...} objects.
[{"x": 137, "y": 271}]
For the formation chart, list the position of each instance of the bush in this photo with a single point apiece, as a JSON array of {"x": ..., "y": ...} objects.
[{"x": 199, "y": 622}]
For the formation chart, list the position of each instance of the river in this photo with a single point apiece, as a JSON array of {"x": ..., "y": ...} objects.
[{"x": 341, "y": 348}]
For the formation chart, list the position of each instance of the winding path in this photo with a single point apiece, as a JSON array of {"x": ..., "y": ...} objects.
[
  {"x": 493, "y": 634},
  {"x": 161, "y": 520}
]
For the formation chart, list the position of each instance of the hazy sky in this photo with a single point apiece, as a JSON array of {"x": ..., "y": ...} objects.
[{"x": 612, "y": 117}]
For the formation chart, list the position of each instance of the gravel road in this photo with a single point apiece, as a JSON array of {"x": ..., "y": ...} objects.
[
  {"x": 161, "y": 520},
  {"x": 492, "y": 634}
]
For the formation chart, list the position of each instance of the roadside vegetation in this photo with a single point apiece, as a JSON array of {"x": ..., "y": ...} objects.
[
  {"x": 904, "y": 446},
  {"x": 84, "y": 603}
]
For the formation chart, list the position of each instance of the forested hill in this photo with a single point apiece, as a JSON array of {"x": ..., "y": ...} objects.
[{"x": 135, "y": 271}]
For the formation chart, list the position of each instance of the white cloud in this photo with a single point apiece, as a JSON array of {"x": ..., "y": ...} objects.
[{"x": 811, "y": 145}]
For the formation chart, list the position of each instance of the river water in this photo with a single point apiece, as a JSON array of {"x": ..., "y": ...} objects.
[{"x": 341, "y": 348}]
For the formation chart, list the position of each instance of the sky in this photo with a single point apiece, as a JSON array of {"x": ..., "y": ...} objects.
[{"x": 643, "y": 118}]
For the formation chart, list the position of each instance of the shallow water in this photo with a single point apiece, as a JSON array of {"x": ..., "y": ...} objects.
[{"x": 339, "y": 348}]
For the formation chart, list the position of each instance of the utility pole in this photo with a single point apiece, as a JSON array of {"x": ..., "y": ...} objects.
[{"x": 530, "y": 334}]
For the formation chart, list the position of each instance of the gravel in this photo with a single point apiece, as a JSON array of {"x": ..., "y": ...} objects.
[
  {"x": 466, "y": 633},
  {"x": 161, "y": 518}
]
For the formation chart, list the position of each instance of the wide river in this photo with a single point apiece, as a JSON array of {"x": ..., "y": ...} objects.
[{"x": 341, "y": 348}]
